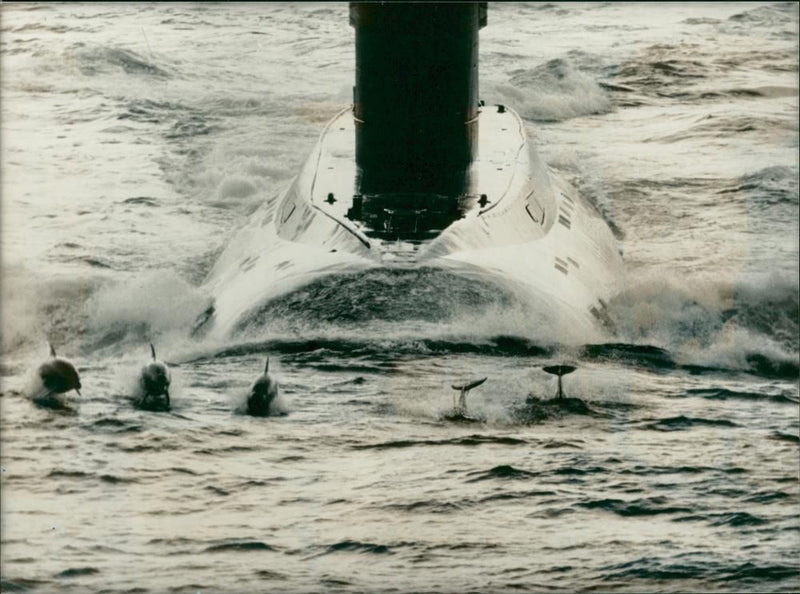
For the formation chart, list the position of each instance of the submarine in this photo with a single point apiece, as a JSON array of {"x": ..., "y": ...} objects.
[{"x": 420, "y": 174}]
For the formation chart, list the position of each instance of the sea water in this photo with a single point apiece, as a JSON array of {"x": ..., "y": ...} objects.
[{"x": 138, "y": 138}]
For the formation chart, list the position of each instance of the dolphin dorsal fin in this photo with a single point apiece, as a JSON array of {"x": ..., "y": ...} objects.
[
  {"x": 52, "y": 350},
  {"x": 153, "y": 351},
  {"x": 266, "y": 367}
]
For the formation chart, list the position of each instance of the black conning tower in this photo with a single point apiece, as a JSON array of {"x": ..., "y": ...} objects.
[{"x": 416, "y": 95}]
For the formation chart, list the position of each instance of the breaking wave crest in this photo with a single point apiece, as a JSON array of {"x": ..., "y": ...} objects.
[
  {"x": 750, "y": 325},
  {"x": 555, "y": 91}
]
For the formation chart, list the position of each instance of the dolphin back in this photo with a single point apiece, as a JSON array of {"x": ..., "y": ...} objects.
[
  {"x": 155, "y": 378},
  {"x": 262, "y": 394},
  {"x": 59, "y": 376}
]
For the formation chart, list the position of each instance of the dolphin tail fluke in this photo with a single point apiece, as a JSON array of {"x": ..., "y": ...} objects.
[
  {"x": 559, "y": 370},
  {"x": 469, "y": 386},
  {"x": 461, "y": 407},
  {"x": 153, "y": 351}
]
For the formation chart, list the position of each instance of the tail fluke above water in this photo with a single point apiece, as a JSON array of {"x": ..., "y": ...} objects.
[
  {"x": 461, "y": 407},
  {"x": 560, "y": 371},
  {"x": 469, "y": 386}
]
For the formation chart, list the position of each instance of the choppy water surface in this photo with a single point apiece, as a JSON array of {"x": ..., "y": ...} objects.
[{"x": 136, "y": 140}]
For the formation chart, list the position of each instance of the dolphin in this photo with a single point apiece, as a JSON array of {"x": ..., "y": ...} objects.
[
  {"x": 154, "y": 379},
  {"x": 57, "y": 376},
  {"x": 262, "y": 394},
  {"x": 559, "y": 370}
]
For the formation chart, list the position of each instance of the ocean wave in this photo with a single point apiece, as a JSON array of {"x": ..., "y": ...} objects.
[
  {"x": 318, "y": 352},
  {"x": 648, "y": 506},
  {"x": 38, "y": 309},
  {"x": 594, "y": 188},
  {"x": 77, "y": 572},
  {"x": 662, "y": 68},
  {"x": 724, "y": 126},
  {"x": 682, "y": 422},
  {"x": 503, "y": 472},
  {"x": 243, "y": 546},
  {"x": 768, "y": 497},
  {"x": 425, "y": 294},
  {"x": 150, "y": 111},
  {"x": 768, "y": 14},
  {"x": 116, "y": 480},
  {"x": 790, "y": 437},
  {"x": 642, "y": 470},
  {"x": 737, "y": 92},
  {"x": 757, "y": 573},
  {"x": 427, "y": 507},
  {"x": 537, "y": 410},
  {"x": 513, "y": 495},
  {"x": 355, "y": 546},
  {"x": 181, "y": 122},
  {"x": 21, "y": 584},
  {"x": 639, "y": 354},
  {"x": 689, "y": 73},
  {"x": 470, "y": 441},
  {"x": 700, "y": 21},
  {"x": 752, "y": 325},
  {"x": 79, "y": 475},
  {"x": 555, "y": 91},
  {"x": 99, "y": 60},
  {"x": 58, "y": 473},
  {"x": 113, "y": 425},
  {"x": 725, "y": 394},
  {"x": 662, "y": 323},
  {"x": 142, "y": 309},
  {"x": 732, "y": 519},
  {"x": 655, "y": 569},
  {"x": 768, "y": 187}
]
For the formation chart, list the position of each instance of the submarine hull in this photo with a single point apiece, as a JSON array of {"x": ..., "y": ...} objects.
[{"x": 508, "y": 220}]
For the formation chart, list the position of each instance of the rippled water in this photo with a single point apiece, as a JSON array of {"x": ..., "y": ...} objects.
[{"x": 137, "y": 139}]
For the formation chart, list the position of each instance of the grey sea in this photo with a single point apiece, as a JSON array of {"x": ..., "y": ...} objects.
[{"x": 138, "y": 138}]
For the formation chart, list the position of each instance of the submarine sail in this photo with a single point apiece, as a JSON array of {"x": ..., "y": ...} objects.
[{"x": 415, "y": 100}]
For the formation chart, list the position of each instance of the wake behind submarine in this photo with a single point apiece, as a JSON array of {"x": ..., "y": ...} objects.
[{"x": 420, "y": 175}]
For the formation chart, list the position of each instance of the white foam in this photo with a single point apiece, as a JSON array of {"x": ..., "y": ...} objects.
[
  {"x": 704, "y": 320},
  {"x": 554, "y": 91},
  {"x": 156, "y": 307},
  {"x": 236, "y": 186},
  {"x": 39, "y": 309}
]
